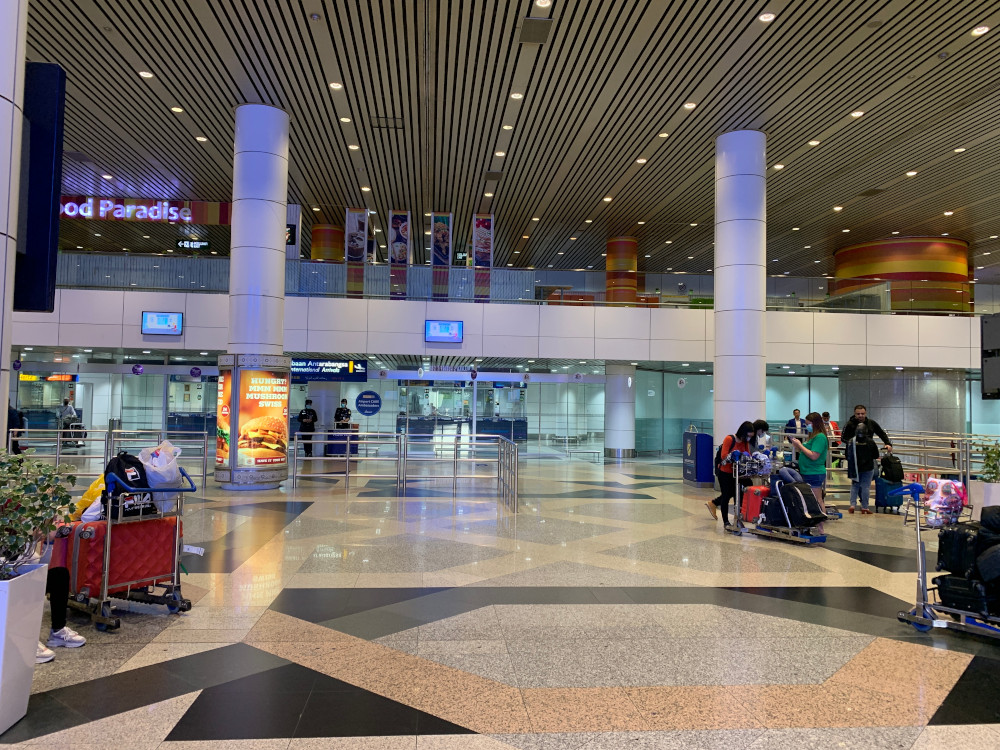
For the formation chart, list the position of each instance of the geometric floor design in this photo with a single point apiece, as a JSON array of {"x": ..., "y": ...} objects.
[{"x": 611, "y": 612}]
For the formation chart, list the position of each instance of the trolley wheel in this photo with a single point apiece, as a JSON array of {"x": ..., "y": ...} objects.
[
  {"x": 919, "y": 626},
  {"x": 177, "y": 603},
  {"x": 87, "y": 534}
]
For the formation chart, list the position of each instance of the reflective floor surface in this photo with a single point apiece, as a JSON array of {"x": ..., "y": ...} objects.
[{"x": 610, "y": 612}]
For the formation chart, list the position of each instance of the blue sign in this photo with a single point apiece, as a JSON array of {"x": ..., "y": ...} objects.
[
  {"x": 368, "y": 403},
  {"x": 342, "y": 371}
]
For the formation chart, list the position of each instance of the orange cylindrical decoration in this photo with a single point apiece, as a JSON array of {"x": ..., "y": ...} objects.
[
  {"x": 923, "y": 273},
  {"x": 327, "y": 243},
  {"x": 621, "y": 264}
]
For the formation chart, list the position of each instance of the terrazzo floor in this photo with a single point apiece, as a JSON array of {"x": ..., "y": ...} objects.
[{"x": 610, "y": 612}]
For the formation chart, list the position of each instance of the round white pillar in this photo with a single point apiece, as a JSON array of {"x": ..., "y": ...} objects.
[
  {"x": 13, "y": 31},
  {"x": 619, "y": 411},
  {"x": 257, "y": 250},
  {"x": 740, "y": 279}
]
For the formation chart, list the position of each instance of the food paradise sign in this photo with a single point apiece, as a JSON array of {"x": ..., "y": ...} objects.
[
  {"x": 263, "y": 423},
  {"x": 144, "y": 210}
]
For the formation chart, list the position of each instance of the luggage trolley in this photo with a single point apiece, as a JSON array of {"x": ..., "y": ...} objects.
[
  {"x": 135, "y": 555},
  {"x": 928, "y": 613},
  {"x": 789, "y": 533}
]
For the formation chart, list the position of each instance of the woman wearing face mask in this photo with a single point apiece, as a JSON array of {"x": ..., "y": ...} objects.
[
  {"x": 763, "y": 430},
  {"x": 741, "y": 441},
  {"x": 812, "y": 454}
]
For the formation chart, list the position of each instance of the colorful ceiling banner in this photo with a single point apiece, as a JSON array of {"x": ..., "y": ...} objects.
[
  {"x": 355, "y": 249},
  {"x": 441, "y": 225},
  {"x": 144, "y": 210},
  {"x": 482, "y": 254},
  {"x": 399, "y": 251}
]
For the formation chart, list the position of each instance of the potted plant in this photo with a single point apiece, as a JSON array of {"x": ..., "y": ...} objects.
[
  {"x": 989, "y": 475},
  {"x": 34, "y": 501}
]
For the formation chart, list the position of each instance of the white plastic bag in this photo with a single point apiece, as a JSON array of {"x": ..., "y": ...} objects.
[{"x": 162, "y": 470}]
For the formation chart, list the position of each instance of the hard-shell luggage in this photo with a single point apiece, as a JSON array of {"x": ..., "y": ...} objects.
[
  {"x": 989, "y": 517},
  {"x": 882, "y": 497},
  {"x": 803, "y": 509},
  {"x": 957, "y": 549},
  {"x": 751, "y": 507},
  {"x": 773, "y": 510},
  {"x": 988, "y": 565},
  {"x": 891, "y": 468},
  {"x": 959, "y": 592},
  {"x": 142, "y": 554}
]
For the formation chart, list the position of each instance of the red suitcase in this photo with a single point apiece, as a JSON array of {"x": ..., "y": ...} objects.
[
  {"x": 753, "y": 499},
  {"x": 142, "y": 553}
]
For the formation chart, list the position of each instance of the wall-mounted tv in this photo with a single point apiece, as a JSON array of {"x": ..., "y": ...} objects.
[
  {"x": 443, "y": 331},
  {"x": 163, "y": 323}
]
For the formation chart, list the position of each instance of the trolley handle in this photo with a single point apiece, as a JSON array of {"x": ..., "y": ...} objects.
[
  {"x": 914, "y": 490},
  {"x": 114, "y": 480}
]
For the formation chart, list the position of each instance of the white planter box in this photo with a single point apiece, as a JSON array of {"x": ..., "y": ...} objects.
[
  {"x": 981, "y": 495},
  {"x": 21, "y": 601}
]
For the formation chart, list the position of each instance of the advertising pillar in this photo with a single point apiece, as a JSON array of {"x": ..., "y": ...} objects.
[
  {"x": 740, "y": 279},
  {"x": 14, "y": 21},
  {"x": 252, "y": 439},
  {"x": 327, "y": 243},
  {"x": 619, "y": 411}
]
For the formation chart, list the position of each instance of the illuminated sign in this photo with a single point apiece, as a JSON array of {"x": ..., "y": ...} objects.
[
  {"x": 443, "y": 331},
  {"x": 26, "y": 378},
  {"x": 290, "y": 234},
  {"x": 62, "y": 378},
  {"x": 163, "y": 323},
  {"x": 117, "y": 208},
  {"x": 343, "y": 371},
  {"x": 192, "y": 244}
]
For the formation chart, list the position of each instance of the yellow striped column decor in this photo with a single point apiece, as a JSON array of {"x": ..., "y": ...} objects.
[
  {"x": 327, "y": 243},
  {"x": 621, "y": 264},
  {"x": 923, "y": 273}
]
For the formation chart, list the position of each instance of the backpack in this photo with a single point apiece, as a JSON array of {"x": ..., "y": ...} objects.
[
  {"x": 892, "y": 468},
  {"x": 129, "y": 469},
  {"x": 718, "y": 452}
]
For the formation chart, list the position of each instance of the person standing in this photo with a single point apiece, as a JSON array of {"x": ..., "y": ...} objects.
[
  {"x": 743, "y": 440},
  {"x": 796, "y": 425},
  {"x": 307, "y": 426},
  {"x": 862, "y": 452},
  {"x": 831, "y": 428},
  {"x": 764, "y": 442},
  {"x": 67, "y": 414},
  {"x": 15, "y": 423},
  {"x": 342, "y": 417},
  {"x": 874, "y": 428}
]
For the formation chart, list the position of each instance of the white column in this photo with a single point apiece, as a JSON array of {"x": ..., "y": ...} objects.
[
  {"x": 13, "y": 31},
  {"x": 619, "y": 411},
  {"x": 257, "y": 254},
  {"x": 740, "y": 279}
]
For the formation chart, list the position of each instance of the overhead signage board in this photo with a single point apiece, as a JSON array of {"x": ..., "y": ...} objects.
[
  {"x": 339, "y": 371},
  {"x": 162, "y": 323},
  {"x": 443, "y": 331},
  {"x": 144, "y": 210},
  {"x": 192, "y": 244}
]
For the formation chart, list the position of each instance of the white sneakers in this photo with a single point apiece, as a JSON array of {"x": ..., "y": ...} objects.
[{"x": 65, "y": 638}]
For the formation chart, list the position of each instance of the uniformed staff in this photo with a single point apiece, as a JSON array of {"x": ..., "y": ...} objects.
[
  {"x": 342, "y": 417},
  {"x": 307, "y": 425}
]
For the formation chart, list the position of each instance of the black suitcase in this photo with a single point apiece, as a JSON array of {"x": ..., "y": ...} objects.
[
  {"x": 957, "y": 549},
  {"x": 959, "y": 592},
  {"x": 892, "y": 468},
  {"x": 988, "y": 565},
  {"x": 774, "y": 514},
  {"x": 989, "y": 518},
  {"x": 803, "y": 509}
]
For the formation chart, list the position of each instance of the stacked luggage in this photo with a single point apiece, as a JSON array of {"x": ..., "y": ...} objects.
[
  {"x": 970, "y": 553},
  {"x": 889, "y": 477},
  {"x": 794, "y": 506}
]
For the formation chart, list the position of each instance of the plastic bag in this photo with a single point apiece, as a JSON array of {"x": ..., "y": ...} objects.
[
  {"x": 92, "y": 495},
  {"x": 162, "y": 470}
]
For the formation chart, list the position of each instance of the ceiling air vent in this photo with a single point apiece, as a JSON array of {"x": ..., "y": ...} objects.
[
  {"x": 870, "y": 193},
  {"x": 535, "y": 30},
  {"x": 494, "y": 176},
  {"x": 387, "y": 123}
]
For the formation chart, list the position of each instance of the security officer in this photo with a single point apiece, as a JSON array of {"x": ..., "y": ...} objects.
[
  {"x": 342, "y": 417},
  {"x": 307, "y": 425}
]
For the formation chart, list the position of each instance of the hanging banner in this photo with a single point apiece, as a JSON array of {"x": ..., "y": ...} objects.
[
  {"x": 355, "y": 245},
  {"x": 440, "y": 254},
  {"x": 482, "y": 254},
  {"x": 399, "y": 252}
]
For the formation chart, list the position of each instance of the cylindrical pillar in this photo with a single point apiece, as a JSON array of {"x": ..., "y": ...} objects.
[
  {"x": 923, "y": 273},
  {"x": 14, "y": 22},
  {"x": 257, "y": 254},
  {"x": 619, "y": 411},
  {"x": 327, "y": 243},
  {"x": 621, "y": 265},
  {"x": 740, "y": 279}
]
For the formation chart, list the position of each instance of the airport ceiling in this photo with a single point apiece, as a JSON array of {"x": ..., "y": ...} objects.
[{"x": 429, "y": 87}]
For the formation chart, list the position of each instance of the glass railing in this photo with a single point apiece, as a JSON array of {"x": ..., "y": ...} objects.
[{"x": 525, "y": 286}]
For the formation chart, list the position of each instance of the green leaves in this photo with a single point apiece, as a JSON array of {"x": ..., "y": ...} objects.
[{"x": 991, "y": 464}]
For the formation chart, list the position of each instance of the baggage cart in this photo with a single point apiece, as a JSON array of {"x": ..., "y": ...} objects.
[
  {"x": 124, "y": 557},
  {"x": 928, "y": 610},
  {"x": 788, "y": 532}
]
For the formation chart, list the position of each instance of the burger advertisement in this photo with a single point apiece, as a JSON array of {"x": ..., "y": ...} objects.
[
  {"x": 222, "y": 434},
  {"x": 263, "y": 425}
]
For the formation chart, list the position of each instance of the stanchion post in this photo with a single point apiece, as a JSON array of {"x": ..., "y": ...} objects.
[
  {"x": 454, "y": 470},
  {"x": 295, "y": 458}
]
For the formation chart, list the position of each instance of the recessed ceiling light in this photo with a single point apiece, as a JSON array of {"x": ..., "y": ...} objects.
[
  {"x": 588, "y": 221},
  {"x": 517, "y": 95},
  {"x": 365, "y": 189},
  {"x": 795, "y": 229},
  {"x": 106, "y": 176},
  {"x": 649, "y": 256},
  {"x": 980, "y": 268},
  {"x": 560, "y": 253},
  {"x": 97, "y": 234},
  {"x": 508, "y": 127},
  {"x": 345, "y": 119},
  {"x": 572, "y": 238},
  {"x": 944, "y": 234},
  {"x": 690, "y": 257},
  {"x": 813, "y": 143},
  {"x": 663, "y": 135},
  {"x": 895, "y": 232},
  {"x": 817, "y": 261},
  {"x": 178, "y": 110},
  {"x": 640, "y": 161},
  {"x": 765, "y": 17},
  {"x": 79, "y": 247},
  {"x": 427, "y": 214},
  {"x": 689, "y": 105},
  {"x": 534, "y": 218},
  {"x": 845, "y": 230},
  {"x": 857, "y": 113},
  {"x": 779, "y": 166},
  {"x": 336, "y": 86},
  {"x": 993, "y": 236},
  {"x": 200, "y": 138},
  {"x": 145, "y": 236},
  {"x": 315, "y": 208},
  {"x": 427, "y": 232},
  {"x": 604, "y": 255},
  {"x": 354, "y": 146},
  {"x": 145, "y": 351},
  {"x": 980, "y": 30},
  {"x": 487, "y": 195},
  {"x": 517, "y": 252},
  {"x": 959, "y": 150},
  {"x": 807, "y": 247},
  {"x": 911, "y": 173},
  {"x": 669, "y": 242},
  {"x": 524, "y": 236},
  {"x": 499, "y": 153},
  {"x": 838, "y": 208},
  {"x": 607, "y": 199},
  {"x": 694, "y": 224}
]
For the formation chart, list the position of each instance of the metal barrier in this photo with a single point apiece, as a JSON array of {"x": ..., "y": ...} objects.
[
  {"x": 91, "y": 453},
  {"x": 403, "y": 452}
]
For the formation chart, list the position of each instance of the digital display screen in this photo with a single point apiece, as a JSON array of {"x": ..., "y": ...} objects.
[
  {"x": 443, "y": 331},
  {"x": 163, "y": 323}
]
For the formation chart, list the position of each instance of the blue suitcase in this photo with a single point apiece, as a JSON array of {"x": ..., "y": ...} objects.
[{"x": 882, "y": 497}]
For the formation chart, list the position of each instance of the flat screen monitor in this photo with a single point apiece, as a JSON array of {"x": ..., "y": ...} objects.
[
  {"x": 443, "y": 331},
  {"x": 163, "y": 323}
]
